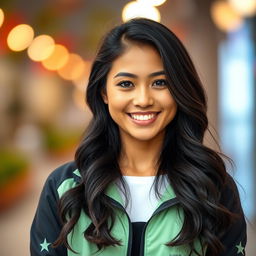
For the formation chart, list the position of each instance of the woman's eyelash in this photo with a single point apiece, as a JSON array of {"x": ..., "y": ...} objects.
[
  {"x": 125, "y": 83},
  {"x": 161, "y": 80}
]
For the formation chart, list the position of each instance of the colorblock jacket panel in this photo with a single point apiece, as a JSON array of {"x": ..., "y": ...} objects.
[{"x": 46, "y": 225}]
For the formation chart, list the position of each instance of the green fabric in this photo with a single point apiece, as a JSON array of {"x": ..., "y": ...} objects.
[
  {"x": 65, "y": 186},
  {"x": 167, "y": 195},
  {"x": 76, "y": 172},
  {"x": 157, "y": 234},
  {"x": 113, "y": 192},
  {"x": 83, "y": 247}
]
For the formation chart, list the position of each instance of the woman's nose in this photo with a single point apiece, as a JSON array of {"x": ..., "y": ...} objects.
[{"x": 143, "y": 98}]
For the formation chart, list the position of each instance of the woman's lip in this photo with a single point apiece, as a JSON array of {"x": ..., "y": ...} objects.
[
  {"x": 144, "y": 122},
  {"x": 144, "y": 113}
]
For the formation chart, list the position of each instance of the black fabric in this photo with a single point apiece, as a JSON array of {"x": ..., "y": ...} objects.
[
  {"x": 236, "y": 234},
  {"x": 46, "y": 225},
  {"x": 137, "y": 229},
  {"x": 234, "y": 239}
]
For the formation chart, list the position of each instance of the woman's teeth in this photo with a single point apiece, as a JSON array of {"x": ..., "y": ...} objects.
[{"x": 143, "y": 117}]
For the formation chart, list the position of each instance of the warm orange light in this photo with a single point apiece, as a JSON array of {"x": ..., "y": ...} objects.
[
  {"x": 79, "y": 99},
  {"x": 57, "y": 59},
  {"x": 153, "y": 2},
  {"x": 20, "y": 37},
  {"x": 1, "y": 17},
  {"x": 140, "y": 9},
  {"x": 41, "y": 48},
  {"x": 82, "y": 81},
  {"x": 73, "y": 68},
  {"x": 225, "y": 17},
  {"x": 246, "y": 8},
  {"x": 45, "y": 96}
]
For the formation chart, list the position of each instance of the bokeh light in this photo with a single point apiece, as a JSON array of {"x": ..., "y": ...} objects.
[
  {"x": 44, "y": 96},
  {"x": 41, "y": 48},
  {"x": 82, "y": 82},
  {"x": 140, "y": 9},
  {"x": 20, "y": 37},
  {"x": 153, "y": 2},
  {"x": 225, "y": 17},
  {"x": 57, "y": 59},
  {"x": 73, "y": 69},
  {"x": 79, "y": 99},
  {"x": 1, "y": 17},
  {"x": 246, "y": 8}
]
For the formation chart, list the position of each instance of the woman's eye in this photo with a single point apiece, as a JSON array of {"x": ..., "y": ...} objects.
[
  {"x": 161, "y": 83},
  {"x": 125, "y": 84},
  {"x": 128, "y": 84}
]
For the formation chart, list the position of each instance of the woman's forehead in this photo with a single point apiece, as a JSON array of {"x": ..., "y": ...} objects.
[{"x": 137, "y": 60}]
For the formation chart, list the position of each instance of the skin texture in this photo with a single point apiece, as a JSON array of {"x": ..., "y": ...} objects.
[{"x": 141, "y": 144}]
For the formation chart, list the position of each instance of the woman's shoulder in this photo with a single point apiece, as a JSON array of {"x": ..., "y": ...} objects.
[
  {"x": 64, "y": 171},
  {"x": 230, "y": 195},
  {"x": 63, "y": 178},
  {"x": 230, "y": 185}
]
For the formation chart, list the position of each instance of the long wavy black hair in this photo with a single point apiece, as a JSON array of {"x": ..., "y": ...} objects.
[{"x": 196, "y": 172}]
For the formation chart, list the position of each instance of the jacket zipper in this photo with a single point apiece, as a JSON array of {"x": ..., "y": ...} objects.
[
  {"x": 162, "y": 207},
  {"x": 118, "y": 205}
]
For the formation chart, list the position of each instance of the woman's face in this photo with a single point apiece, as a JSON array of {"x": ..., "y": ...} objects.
[{"x": 137, "y": 94}]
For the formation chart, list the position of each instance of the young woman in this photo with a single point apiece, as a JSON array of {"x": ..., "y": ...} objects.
[{"x": 142, "y": 182}]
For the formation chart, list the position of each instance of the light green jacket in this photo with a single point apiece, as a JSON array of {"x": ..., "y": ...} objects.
[{"x": 163, "y": 226}]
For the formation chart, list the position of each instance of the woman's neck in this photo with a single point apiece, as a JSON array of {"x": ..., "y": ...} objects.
[{"x": 139, "y": 158}]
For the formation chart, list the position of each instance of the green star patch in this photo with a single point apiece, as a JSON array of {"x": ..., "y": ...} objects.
[
  {"x": 44, "y": 245},
  {"x": 240, "y": 248}
]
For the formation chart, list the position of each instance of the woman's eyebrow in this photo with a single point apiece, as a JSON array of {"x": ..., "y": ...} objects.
[{"x": 135, "y": 76}]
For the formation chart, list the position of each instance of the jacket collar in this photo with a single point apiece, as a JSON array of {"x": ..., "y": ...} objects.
[{"x": 113, "y": 191}]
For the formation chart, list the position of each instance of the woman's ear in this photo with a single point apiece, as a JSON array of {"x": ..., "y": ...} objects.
[{"x": 104, "y": 96}]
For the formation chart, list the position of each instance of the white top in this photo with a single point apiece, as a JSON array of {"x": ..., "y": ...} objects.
[{"x": 143, "y": 201}]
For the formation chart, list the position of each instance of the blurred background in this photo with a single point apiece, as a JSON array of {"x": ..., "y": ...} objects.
[{"x": 46, "y": 50}]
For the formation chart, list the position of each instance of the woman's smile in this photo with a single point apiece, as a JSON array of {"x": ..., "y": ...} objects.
[{"x": 143, "y": 118}]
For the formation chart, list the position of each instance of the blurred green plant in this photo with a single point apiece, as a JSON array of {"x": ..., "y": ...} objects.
[
  {"x": 14, "y": 177},
  {"x": 60, "y": 140},
  {"x": 12, "y": 164}
]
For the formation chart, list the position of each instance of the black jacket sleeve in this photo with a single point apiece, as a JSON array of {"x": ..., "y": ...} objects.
[
  {"x": 234, "y": 239},
  {"x": 46, "y": 224}
]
